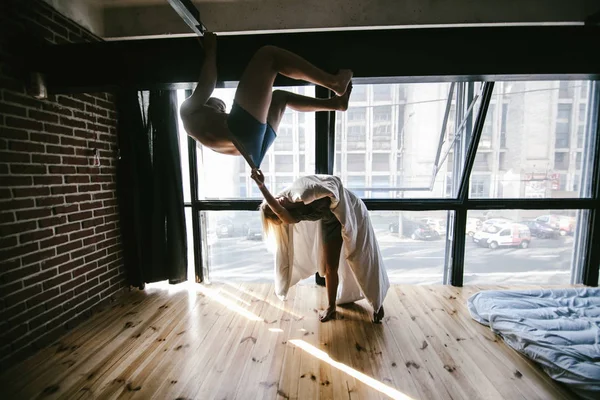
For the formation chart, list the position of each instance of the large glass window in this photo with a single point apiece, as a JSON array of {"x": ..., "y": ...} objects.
[
  {"x": 526, "y": 160},
  {"x": 291, "y": 155},
  {"x": 520, "y": 246}
]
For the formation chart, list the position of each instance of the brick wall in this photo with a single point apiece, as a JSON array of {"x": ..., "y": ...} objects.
[{"x": 60, "y": 245}]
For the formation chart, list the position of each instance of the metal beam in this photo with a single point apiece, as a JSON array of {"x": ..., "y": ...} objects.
[
  {"x": 398, "y": 55},
  {"x": 190, "y": 14}
]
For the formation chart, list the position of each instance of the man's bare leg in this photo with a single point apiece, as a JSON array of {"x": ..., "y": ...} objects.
[
  {"x": 256, "y": 84},
  {"x": 332, "y": 259},
  {"x": 283, "y": 99}
]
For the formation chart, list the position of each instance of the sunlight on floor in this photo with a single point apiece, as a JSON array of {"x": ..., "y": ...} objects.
[{"x": 375, "y": 384}]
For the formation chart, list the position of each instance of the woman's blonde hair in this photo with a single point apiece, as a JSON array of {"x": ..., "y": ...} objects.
[{"x": 272, "y": 226}]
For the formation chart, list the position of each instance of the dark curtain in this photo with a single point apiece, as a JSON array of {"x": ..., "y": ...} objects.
[{"x": 149, "y": 188}]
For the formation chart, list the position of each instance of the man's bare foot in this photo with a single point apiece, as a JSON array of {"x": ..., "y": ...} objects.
[
  {"x": 343, "y": 77},
  {"x": 378, "y": 316},
  {"x": 342, "y": 101},
  {"x": 328, "y": 314}
]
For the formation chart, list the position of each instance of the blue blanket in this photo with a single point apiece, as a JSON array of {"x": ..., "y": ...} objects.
[{"x": 557, "y": 328}]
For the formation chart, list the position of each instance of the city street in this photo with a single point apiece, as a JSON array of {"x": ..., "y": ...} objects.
[{"x": 546, "y": 261}]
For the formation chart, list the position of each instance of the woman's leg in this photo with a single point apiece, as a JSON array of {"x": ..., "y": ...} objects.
[
  {"x": 282, "y": 99},
  {"x": 332, "y": 249},
  {"x": 256, "y": 85}
]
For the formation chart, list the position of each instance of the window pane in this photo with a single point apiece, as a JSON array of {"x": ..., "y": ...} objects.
[
  {"x": 236, "y": 250},
  {"x": 527, "y": 160},
  {"x": 519, "y": 246},
  {"x": 221, "y": 176},
  {"x": 412, "y": 244},
  {"x": 400, "y": 136}
]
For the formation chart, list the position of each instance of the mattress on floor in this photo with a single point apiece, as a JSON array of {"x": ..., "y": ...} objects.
[{"x": 557, "y": 328}]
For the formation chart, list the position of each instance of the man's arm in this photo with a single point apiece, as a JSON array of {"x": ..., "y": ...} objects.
[
  {"x": 208, "y": 75},
  {"x": 277, "y": 208}
]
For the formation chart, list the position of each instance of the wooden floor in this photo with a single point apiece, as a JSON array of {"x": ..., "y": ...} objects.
[{"x": 227, "y": 341}]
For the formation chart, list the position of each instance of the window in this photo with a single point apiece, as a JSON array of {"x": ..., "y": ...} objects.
[
  {"x": 503, "y": 125},
  {"x": 581, "y": 124},
  {"x": 561, "y": 160},
  {"x": 284, "y": 163},
  {"x": 382, "y": 137},
  {"x": 381, "y": 162},
  {"x": 356, "y": 184},
  {"x": 480, "y": 186},
  {"x": 382, "y": 92},
  {"x": 382, "y": 114},
  {"x": 532, "y": 152},
  {"x": 356, "y": 162},
  {"x": 578, "y": 160},
  {"x": 285, "y": 139},
  {"x": 380, "y": 182},
  {"x": 565, "y": 90},
  {"x": 356, "y": 137},
  {"x": 544, "y": 251},
  {"x": 488, "y": 127},
  {"x": 359, "y": 93},
  {"x": 357, "y": 114}
]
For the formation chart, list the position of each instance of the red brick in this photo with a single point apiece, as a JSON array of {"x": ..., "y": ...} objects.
[
  {"x": 63, "y": 130},
  {"x": 108, "y": 154},
  {"x": 49, "y": 273},
  {"x": 82, "y": 252},
  {"x": 34, "y": 213},
  {"x": 66, "y": 209},
  {"x": 22, "y": 295},
  {"x": 64, "y": 317},
  {"x": 22, "y": 100},
  {"x": 66, "y": 101},
  {"x": 96, "y": 110},
  {"x": 101, "y": 178},
  {"x": 39, "y": 256},
  {"x": 61, "y": 169},
  {"x": 98, "y": 288},
  {"x": 81, "y": 234},
  {"x": 9, "y": 289},
  {"x": 52, "y": 221},
  {"x": 106, "y": 121},
  {"x": 12, "y": 181},
  {"x": 26, "y": 147},
  {"x": 60, "y": 299},
  {"x": 72, "y": 122},
  {"x": 27, "y": 169},
  {"x": 77, "y": 179},
  {"x": 37, "y": 235},
  {"x": 98, "y": 145},
  {"x": 43, "y": 116},
  {"x": 74, "y": 301},
  {"x": 12, "y": 335},
  {"x": 17, "y": 134},
  {"x": 32, "y": 191},
  {"x": 105, "y": 104},
  {"x": 86, "y": 286},
  {"x": 45, "y": 159},
  {"x": 75, "y": 160},
  {"x": 53, "y": 262},
  {"x": 11, "y": 229},
  {"x": 110, "y": 203},
  {"x": 19, "y": 273},
  {"x": 3, "y": 169},
  {"x": 92, "y": 222},
  {"x": 64, "y": 189},
  {"x": 44, "y": 138},
  {"x": 45, "y": 317},
  {"x": 67, "y": 141},
  {"x": 68, "y": 228},
  {"x": 84, "y": 97},
  {"x": 3, "y": 144},
  {"x": 96, "y": 272},
  {"x": 69, "y": 246},
  {"x": 89, "y": 188},
  {"x": 11, "y": 313},
  {"x": 57, "y": 281},
  {"x": 55, "y": 241},
  {"x": 88, "y": 303},
  {"x": 70, "y": 266},
  {"x": 89, "y": 206},
  {"x": 109, "y": 258},
  {"x": 7, "y": 217},
  {"x": 6, "y": 109},
  {"x": 88, "y": 170},
  {"x": 47, "y": 180},
  {"x": 18, "y": 251},
  {"x": 84, "y": 134},
  {"x": 24, "y": 123},
  {"x": 104, "y": 211},
  {"x": 93, "y": 240},
  {"x": 49, "y": 201},
  {"x": 55, "y": 108},
  {"x": 109, "y": 186},
  {"x": 59, "y": 149},
  {"x": 17, "y": 204},
  {"x": 8, "y": 241},
  {"x": 85, "y": 116},
  {"x": 5, "y": 193},
  {"x": 80, "y": 216},
  {"x": 76, "y": 198}
]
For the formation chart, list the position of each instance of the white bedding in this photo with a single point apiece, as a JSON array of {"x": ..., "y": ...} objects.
[{"x": 557, "y": 328}]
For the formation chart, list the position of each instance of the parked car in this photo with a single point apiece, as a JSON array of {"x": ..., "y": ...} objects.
[
  {"x": 225, "y": 228},
  {"x": 473, "y": 225},
  {"x": 495, "y": 221},
  {"x": 540, "y": 229},
  {"x": 437, "y": 224},
  {"x": 563, "y": 224},
  {"x": 424, "y": 232},
  {"x": 510, "y": 235},
  {"x": 254, "y": 231}
]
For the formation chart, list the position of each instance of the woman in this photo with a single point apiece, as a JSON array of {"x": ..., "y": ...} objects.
[{"x": 344, "y": 225}]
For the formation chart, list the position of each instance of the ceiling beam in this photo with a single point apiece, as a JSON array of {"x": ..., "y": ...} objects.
[
  {"x": 401, "y": 55},
  {"x": 190, "y": 14}
]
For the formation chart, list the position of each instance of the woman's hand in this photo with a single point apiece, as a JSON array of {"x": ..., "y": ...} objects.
[{"x": 258, "y": 177}]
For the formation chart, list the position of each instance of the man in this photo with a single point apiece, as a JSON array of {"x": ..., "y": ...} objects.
[{"x": 250, "y": 128}]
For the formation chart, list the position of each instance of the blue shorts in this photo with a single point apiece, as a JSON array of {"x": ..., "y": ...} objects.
[{"x": 255, "y": 137}]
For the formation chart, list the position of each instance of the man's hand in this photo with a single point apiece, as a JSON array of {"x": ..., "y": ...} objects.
[
  {"x": 209, "y": 42},
  {"x": 258, "y": 177}
]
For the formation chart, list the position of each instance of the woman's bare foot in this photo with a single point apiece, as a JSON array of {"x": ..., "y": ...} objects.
[
  {"x": 378, "y": 316},
  {"x": 344, "y": 76},
  {"x": 342, "y": 101},
  {"x": 328, "y": 314}
]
